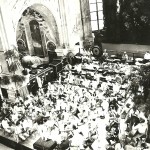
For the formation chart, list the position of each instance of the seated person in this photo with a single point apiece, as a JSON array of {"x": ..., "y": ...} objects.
[
  {"x": 27, "y": 125},
  {"x": 20, "y": 133},
  {"x": 140, "y": 129},
  {"x": 105, "y": 54},
  {"x": 68, "y": 67},
  {"x": 79, "y": 68},
  {"x": 146, "y": 56},
  {"x": 15, "y": 117},
  {"x": 132, "y": 117},
  {"x": 125, "y": 56},
  {"x": 6, "y": 125},
  {"x": 85, "y": 53},
  {"x": 112, "y": 136}
]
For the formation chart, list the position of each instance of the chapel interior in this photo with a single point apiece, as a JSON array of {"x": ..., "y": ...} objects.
[{"x": 74, "y": 74}]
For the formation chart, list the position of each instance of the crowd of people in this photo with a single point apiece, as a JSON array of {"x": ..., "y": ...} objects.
[{"x": 91, "y": 106}]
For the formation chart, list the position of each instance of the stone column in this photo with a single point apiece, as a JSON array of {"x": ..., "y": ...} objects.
[
  {"x": 43, "y": 42},
  {"x": 3, "y": 45},
  {"x": 3, "y": 36},
  {"x": 85, "y": 18},
  {"x": 63, "y": 22},
  {"x": 29, "y": 38}
]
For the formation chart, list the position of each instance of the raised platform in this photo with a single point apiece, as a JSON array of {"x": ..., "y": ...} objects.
[
  {"x": 23, "y": 145},
  {"x": 31, "y": 143}
]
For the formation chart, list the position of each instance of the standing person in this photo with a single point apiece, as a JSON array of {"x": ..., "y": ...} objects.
[
  {"x": 125, "y": 57},
  {"x": 105, "y": 54},
  {"x": 146, "y": 57}
]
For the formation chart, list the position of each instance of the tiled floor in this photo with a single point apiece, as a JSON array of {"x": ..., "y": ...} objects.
[{"x": 3, "y": 147}]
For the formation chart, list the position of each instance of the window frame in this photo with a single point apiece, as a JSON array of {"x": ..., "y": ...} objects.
[{"x": 97, "y": 13}]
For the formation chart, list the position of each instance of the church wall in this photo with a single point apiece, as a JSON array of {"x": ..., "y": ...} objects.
[
  {"x": 12, "y": 11},
  {"x": 87, "y": 29},
  {"x": 68, "y": 21},
  {"x": 66, "y": 13},
  {"x": 3, "y": 64},
  {"x": 72, "y": 19},
  {"x": 3, "y": 46},
  {"x": 77, "y": 22}
]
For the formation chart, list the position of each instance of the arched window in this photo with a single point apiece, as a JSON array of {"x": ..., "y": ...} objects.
[{"x": 96, "y": 12}]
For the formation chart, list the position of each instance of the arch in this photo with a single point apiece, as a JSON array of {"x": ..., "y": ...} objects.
[
  {"x": 48, "y": 16},
  {"x": 47, "y": 27}
]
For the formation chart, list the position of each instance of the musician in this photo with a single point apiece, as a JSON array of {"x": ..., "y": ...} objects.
[
  {"x": 125, "y": 56},
  {"x": 105, "y": 54},
  {"x": 6, "y": 125},
  {"x": 133, "y": 117},
  {"x": 146, "y": 57},
  {"x": 140, "y": 129}
]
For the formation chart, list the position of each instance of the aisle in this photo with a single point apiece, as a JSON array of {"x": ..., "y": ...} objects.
[{"x": 102, "y": 134}]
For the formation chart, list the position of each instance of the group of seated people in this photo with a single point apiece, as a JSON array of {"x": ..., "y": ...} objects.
[
  {"x": 125, "y": 57},
  {"x": 119, "y": 84},
  {"x": 91, "y": 105}
]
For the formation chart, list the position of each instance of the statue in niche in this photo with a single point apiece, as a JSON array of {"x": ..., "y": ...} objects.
[
  {"x": 36, "y": 38},
  {"x": 22, "y": 49}
]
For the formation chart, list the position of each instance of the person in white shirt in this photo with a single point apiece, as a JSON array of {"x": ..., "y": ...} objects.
[
  {"x": 147, "y": 56},
  {"x": 6, "y": 126},
  {"x": 119, "y": 146},
  {"x": 140, "y": 129},
  {"x": 79, "y": 68},
  {"x": 125, "y": 56},
  {"x": 105, "y": 55}
]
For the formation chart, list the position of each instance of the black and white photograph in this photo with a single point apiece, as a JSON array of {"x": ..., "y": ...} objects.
[{"x": 74, "y": 74}]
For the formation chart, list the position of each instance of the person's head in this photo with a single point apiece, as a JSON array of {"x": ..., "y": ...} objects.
[
  {"x": 74, "y": 127},
  {"x": 143, "y": 138},
  {"x": 134, "y": 108},
  {"x": 89, "y": 125},
  {"x": 123, "y": 139},
  {"x": 105, "y": 50},
  {"x": 141, "y": 120},
  {"x": 128, "y": 105}
]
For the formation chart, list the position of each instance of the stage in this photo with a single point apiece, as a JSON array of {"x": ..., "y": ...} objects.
[{"x": 9, "y": 141}]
